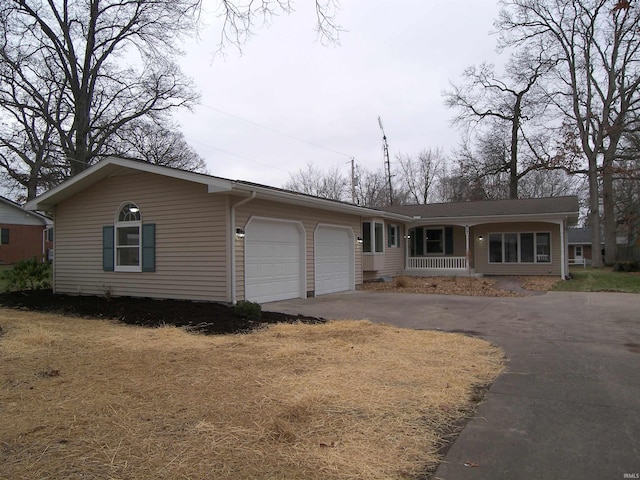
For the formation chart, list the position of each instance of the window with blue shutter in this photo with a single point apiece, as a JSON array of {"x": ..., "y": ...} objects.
[
  {"x": 129, "y": 245},
  {"x": 149, "y": 247},
  {"x": 107, "y": 248}
]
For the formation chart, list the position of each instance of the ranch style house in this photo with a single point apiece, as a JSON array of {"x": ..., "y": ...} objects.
[{"x": 128, "y": 228}]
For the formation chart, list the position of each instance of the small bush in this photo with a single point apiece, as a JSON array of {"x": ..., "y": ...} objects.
[
  {"x": 402, "y": 281},
  {"x": 627, "y": 266},
  {"x": 31, "y": 274},
  {"x": 248, "y": 310}
]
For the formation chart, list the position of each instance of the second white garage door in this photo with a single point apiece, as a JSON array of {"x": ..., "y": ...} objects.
[
  {"x": 334, "y": 257},
  {"x": 274, "y": 260}
]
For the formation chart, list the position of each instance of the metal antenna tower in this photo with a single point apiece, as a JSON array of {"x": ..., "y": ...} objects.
[{"x": 387, "y": 163}]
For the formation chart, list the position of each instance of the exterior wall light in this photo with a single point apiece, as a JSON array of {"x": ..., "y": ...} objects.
[
  {"x": 359, "y": 240},
  {"x": 480, "y": 238},
  {"x": 407, "y": 237},
  {"x": 240, "y": 233}
]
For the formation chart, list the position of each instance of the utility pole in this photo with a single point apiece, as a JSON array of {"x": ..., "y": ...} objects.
[
  {"x": 353, "y": 180},
  {"x": 387, "y": 163}
]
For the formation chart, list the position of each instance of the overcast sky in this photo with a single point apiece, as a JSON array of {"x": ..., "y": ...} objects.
[{"x": 394, "y": 61}]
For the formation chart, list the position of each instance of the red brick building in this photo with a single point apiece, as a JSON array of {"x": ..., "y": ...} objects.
[{"x": 23, "y": 234}]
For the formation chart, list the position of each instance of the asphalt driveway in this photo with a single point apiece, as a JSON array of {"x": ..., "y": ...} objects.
[{"x": 568, "y": 405}]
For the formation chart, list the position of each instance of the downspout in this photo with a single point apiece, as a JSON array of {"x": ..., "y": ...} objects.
[{"x": 232, "y": 223}]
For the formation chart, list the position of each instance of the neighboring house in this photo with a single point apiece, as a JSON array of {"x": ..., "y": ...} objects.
[
  {"x": 580, "y": 251},
  {"x": 23, "y": 234},
  {"x": 125, "y": 227}
]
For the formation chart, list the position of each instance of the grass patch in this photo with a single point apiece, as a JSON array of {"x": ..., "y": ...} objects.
[
  {"x": 349, "y": 399},
  {"x": 600, "y": 280}
]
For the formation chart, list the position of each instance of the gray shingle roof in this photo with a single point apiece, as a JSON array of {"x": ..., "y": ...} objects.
[
  {"x": 526, "y": 206},
  {"x": 580, "y": 236}
]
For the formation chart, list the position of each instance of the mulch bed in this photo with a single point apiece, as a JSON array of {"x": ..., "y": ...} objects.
[{"x": 202, "y": 317}]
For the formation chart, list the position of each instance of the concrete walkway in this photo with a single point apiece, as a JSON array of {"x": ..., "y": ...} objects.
[{"x": 568, "y": 405}]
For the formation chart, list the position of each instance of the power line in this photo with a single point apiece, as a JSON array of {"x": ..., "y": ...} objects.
[
  {"x": 276, "y": 131},
  {"x": 236, "y": 155}
]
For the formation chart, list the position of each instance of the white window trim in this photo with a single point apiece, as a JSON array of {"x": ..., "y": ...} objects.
[
  {"x": 117, "y": 225},
  {"x": 520, "y": 262},
  {"x": 372, "y": 231}
]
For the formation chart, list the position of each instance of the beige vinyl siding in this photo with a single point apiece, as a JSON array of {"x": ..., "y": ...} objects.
[
  {"x": 481, "y": 256},
  {"x": 191, "y": 245},
  {"x": 310, "y": 218}
]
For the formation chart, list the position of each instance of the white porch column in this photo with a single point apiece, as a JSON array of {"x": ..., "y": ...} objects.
[
  {"x": 466, "y": 240},
  {"x": 407, "y": 244}
]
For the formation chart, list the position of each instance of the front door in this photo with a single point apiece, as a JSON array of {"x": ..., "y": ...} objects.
[{"x": 578, "y": 254}]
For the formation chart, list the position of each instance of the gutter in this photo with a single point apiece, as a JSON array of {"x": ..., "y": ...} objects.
[{"x": 232, "y": 239}]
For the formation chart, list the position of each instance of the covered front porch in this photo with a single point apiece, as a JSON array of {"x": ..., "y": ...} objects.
[{"x": 439, "y": 251}]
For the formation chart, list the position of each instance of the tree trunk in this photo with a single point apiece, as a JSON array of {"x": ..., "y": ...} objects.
[
  {"x": 594, "y": 212},
  {"x": 608, "y": 216},
  {"x": 513, "y": 159}
]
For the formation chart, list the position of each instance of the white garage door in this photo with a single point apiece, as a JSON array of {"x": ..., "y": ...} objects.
[
  {"x": 335, "y": 264},
  {"x": 274, "y": 260}
]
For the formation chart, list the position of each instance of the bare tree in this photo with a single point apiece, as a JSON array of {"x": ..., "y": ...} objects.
[
  {"x": 313, "y": 181},
  {"x": 502, "y": 102},
  {"x": 158, "y": 144},
  {"x": 240, "y": 19},
  {"x": 596, "y": 82},
  {"x": 76, "y": 72},
  {"x": 419, "y": 175},
  {"x": 372, "y": 188}
]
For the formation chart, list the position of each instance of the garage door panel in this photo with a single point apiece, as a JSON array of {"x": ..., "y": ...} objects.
[
  {"x": 335, "y": 262},
  {"x": 274, "y": 252}
]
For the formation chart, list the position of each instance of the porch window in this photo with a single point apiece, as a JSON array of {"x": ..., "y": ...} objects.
[
  {"x": 543, "y": 247},
  {"x": 524, "y": 247},
  {"x": 372, "y": 237},
  {"x": 434, "y": 240}
]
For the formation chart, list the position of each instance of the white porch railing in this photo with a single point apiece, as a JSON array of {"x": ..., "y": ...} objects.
[{"x": 441, "y": 263}]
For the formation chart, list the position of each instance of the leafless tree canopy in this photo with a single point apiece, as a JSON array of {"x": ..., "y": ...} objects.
[
  {"x": 241, "y": 19},
  {"x": 158, "y": 144},
  {"x": 73, "y": 73},
  {"x": 313, "y": 181},
  {"x": 596, "y": 82}
]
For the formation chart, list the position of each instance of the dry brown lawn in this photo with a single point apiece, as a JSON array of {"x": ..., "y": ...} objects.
[{"x": 94, "y": 399}]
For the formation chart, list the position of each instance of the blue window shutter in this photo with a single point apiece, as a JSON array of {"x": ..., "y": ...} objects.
[
  {"x": 149, "y": 247},
  {"x": 107, "y": 248}
]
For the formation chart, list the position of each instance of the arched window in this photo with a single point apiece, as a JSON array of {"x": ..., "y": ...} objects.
[{"x": 127, "y": 238}]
